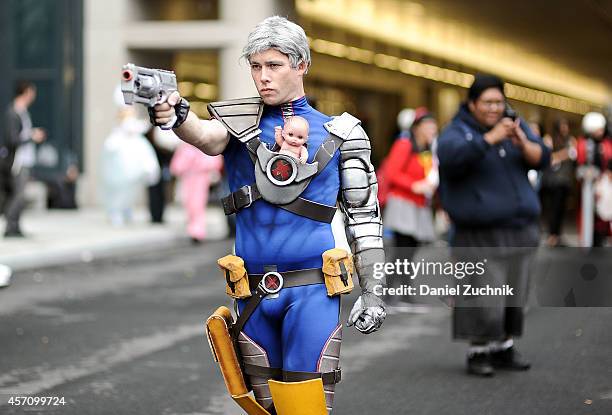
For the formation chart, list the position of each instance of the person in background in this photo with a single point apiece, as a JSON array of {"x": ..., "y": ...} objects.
[
  {"x": 603, "y": 199},
  {"x": 61, "y": 182},
  {"x": 129, "y": 164},
  {"x": 593, "y": 152},
  {"x": 196, "y": 171},
  {"x": 534, "y": 176},
  {"x": 405, "y": 119},
  {"x": 412, "y": 178},
  {"x": 17, "y": 156},
  {"x": 557, "y": 180},
  {"x": 164, "y": 143},
  {"x": 484, "y": 156}
]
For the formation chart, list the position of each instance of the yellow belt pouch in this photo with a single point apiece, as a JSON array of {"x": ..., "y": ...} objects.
[
  {"x": 235, "y": 275},
  {"x": 338, "y": 271}
]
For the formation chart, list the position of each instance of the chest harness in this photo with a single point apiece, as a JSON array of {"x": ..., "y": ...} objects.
[{"x": 279, "y": 179}]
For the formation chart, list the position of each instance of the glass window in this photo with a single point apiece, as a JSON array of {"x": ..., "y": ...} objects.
[
  {"x": 42, "y": 109},
  {"x": 198, "y": 79},
  {"x": 34, "y": 33}
]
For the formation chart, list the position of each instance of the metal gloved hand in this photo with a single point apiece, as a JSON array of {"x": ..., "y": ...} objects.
[{"x": 366, "y": 319}]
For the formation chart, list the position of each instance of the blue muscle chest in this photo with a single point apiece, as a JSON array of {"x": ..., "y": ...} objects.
[{"x": 266, "y": 234}]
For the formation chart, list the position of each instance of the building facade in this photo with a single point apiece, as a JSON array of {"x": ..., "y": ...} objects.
[{"x": 371, "y": 58}]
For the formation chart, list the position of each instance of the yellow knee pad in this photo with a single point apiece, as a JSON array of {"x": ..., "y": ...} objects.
[{"x": 298, "y": 398}]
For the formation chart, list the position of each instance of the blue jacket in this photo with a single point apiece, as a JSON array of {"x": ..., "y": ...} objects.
[{"x": 483, "y": 185}]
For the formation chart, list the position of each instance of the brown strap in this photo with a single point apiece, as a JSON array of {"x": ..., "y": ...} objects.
[
  {"x": 290, "y": 279},
  {"x": 246, "y": 195},
  {"x": 257, "y": 294},
  {"x": 240, "y": 199},
  {"x": 231, "y": 284},
  {"x": 311, "y": 210},
  {"x": 328, "y": 378},
  {"x": 262, "y": 371},
  {"x": 343, "y": 274}
]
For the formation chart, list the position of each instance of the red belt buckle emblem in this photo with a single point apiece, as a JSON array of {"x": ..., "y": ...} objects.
[{"x": 271, "y": 283}]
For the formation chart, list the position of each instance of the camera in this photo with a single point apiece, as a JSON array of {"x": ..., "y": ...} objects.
[{"x": 509, "y": 112}]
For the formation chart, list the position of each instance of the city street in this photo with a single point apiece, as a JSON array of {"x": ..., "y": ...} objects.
[
  {"x": 125, "y": 336},
  {"x": 472, "y": 140}
]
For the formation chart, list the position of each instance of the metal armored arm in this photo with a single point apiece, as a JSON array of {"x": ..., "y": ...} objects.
[{"x": 359, "y": 202}]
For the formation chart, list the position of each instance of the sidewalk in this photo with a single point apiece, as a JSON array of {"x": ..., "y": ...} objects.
[{"x": 58, "y": 237}]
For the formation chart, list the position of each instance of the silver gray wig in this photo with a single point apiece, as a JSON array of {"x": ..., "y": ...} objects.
[{"x": 281, "y": 34}]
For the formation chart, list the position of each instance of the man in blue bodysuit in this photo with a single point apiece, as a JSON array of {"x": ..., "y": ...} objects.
[{"x": 284, "y": 211}]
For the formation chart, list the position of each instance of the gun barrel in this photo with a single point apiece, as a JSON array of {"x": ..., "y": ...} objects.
[{"x": 145, "y": 85}]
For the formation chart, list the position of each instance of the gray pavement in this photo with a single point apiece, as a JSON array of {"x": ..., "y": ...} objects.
[
  {"x": 124, "y": 335},
  {"x": 111, "y": 319},
  {"x": 58, "y": 237}
]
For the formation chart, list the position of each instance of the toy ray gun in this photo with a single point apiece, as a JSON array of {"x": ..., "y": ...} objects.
[{"x": 146, "y": 86}]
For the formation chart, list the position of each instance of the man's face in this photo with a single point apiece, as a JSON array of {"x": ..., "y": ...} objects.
[
  {"x": 488, "y": 109},
  {"x": 30, "y": 95},
  {"x": 564, "y": 129},
  {"x": 276, "y": 81},
  {"x": 295, "y": 133}
]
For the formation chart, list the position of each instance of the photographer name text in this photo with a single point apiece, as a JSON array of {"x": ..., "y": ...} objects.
[{"x": 446, "y": 290}]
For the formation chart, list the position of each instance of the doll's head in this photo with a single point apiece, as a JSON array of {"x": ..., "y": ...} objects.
[{"x": 295, "y": 131}]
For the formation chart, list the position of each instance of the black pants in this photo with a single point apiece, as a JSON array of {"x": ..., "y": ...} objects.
[
  {"x": 157, "y": 201},
  {"x": 5, "y": 191},
  {"x": 557, "y": 201},
  {"x": 404, "y": 248},
  {"x": 508, "y": 253},
  {"x": 61, "y": 193},
  {"x": 16, "y": 201},
  {"x": 482, "y": 325}
]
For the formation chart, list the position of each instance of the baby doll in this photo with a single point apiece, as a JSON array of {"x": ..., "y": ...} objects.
[{"x": 292, "y": 137}]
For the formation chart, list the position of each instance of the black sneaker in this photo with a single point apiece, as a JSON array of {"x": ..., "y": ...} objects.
[
  {"x": 479, "y": 364},
  {"x": 14, "y": 233},
  {"x": 509, "y": 359}
]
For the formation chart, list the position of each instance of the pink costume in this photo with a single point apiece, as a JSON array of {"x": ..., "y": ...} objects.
[{"x": 194, "y": 168}]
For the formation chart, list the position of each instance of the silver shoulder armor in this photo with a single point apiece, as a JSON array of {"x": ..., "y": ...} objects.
[
  {"x": 239, "y": 116},
  {"x": 358, "y": 198}
]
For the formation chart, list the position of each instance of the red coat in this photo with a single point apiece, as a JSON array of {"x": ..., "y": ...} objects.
[
  {"x": 604, "y": 148},
  {"x": 400, "y": 170}
]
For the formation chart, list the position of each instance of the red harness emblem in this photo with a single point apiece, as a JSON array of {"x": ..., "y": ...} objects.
[{"x": 281, "y": 170}]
